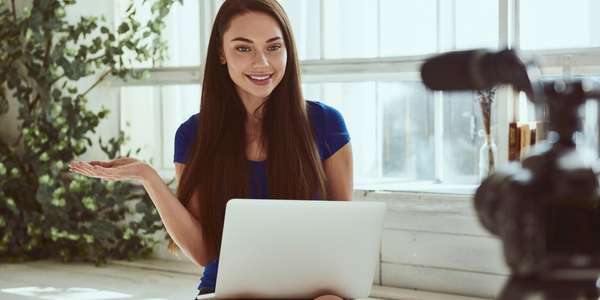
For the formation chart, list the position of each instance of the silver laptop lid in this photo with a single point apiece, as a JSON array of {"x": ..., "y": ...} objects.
[{"x": 299, "y": 248}]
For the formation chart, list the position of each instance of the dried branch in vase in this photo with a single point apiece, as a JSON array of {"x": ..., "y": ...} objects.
[{"x": 486, "y": 99}]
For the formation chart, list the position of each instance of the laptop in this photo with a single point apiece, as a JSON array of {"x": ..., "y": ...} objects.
[{"x": 298, "y": 249}]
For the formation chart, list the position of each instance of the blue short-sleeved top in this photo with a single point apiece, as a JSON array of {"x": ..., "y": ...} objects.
[{"x": 330, "y": 132}]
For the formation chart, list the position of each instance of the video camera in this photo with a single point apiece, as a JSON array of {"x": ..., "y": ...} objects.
[{"x": 546, "y": 209}]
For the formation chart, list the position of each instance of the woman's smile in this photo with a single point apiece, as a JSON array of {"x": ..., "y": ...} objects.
[{"x": 260, "y": 79}]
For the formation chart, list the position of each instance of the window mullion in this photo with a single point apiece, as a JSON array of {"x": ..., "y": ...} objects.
[
  {"x": 438, "y": 131},
  {"x": 163, "y": 117},
  {"x": 378, "y": 28},
  {"x": 379, "y": 132},
  {"x": 504, "y": 24},
  {"x": 202, "y": 26},
  {"x": 506, "y": 98},
  {"x": 445, "y": 41},
  {"x": 321, "y": 32},
  {"x": 516, "y": 23}
]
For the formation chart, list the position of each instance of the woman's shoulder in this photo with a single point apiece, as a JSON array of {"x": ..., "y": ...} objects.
[
  {"x": 323, "y": 116},
  {"x": 184, "y": 137},
  {"x": 188, "y": 126},
  {"x": 329, "y": 126},
  {"x": 317, "y": 107},
  {"x": 319, "y": 112}
]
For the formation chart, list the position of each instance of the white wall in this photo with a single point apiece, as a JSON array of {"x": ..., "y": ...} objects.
[{"x": 435, "y": 243}]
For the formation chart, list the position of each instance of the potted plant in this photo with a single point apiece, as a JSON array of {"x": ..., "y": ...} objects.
[{"x": 46, "y": 212}]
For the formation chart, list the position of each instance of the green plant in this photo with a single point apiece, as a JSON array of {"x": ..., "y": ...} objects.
[{"x": 45, "y": 211}]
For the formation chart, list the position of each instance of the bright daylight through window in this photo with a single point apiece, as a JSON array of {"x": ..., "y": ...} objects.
[{"x": 404, "y": 136}]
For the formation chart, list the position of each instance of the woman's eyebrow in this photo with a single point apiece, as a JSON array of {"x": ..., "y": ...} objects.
[
  {"x": 274, "y": 39},
  {"x": 241, "y": 39}
]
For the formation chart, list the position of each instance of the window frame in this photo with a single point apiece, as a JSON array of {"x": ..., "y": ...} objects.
[{"x": 576, "y": 62}]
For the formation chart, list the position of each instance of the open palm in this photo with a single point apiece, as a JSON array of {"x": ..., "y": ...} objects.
[{"x": 114, "y": 170}]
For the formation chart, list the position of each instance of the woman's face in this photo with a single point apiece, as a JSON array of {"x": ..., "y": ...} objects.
[{"x": 255, "y": 54}]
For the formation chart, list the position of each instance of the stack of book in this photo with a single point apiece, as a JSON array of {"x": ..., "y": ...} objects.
[{"x": 522, "y": 135}]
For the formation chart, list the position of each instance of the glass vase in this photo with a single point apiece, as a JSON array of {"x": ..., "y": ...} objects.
[{"x": 488, "y": 154}]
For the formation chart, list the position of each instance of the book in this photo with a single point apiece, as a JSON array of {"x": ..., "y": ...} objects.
[
  {"x": 541, "y": 128},
  {"x": 513, "y": 141},
  {"x": 525, "y": 134}
]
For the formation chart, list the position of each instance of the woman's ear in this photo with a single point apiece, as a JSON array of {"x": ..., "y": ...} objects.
[{"x": 222, "y": 59}]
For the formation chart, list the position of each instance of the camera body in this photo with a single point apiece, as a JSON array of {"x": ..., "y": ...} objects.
[
  {"x": 546, "y": 212},
  {"x": 546, "y": 209}
]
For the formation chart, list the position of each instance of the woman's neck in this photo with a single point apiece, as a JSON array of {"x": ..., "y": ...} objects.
[
  {"x": 255, "y": 148},
  {"x": 254, "y": 106}
]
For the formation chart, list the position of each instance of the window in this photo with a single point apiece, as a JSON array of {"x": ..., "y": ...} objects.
[
  {"x": 363, "y": 58},
  {"x": 304, "y": 16},
  {"x": 566, "y": 48},
  {"x": 153, "y": 129},
  {"x": 401, "y": 132},
  {"x": 343, "y": 35},
  {"x": 407, "y": 123},
  {"x": 559, "y": 24},
  {"x": 397, "y": 31},
  {"x": 476, "y": 24},
  {"x": 182, "y": 32}
]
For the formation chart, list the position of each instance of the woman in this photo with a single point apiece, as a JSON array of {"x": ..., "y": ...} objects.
[{"x": 255, "y": 136}]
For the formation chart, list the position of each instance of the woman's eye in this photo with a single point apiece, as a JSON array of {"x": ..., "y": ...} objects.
[
  {"x": 274, "y": 48},
  {"x": 243, "y": 49}
]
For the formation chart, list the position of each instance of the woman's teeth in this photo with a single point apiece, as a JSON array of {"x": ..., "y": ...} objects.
[
  {"x": 260, "y": 79},
  {"x": 263, "y": 77}
]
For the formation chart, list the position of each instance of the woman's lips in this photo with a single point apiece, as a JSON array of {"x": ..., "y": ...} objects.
[{"x": 263, "y": 79}]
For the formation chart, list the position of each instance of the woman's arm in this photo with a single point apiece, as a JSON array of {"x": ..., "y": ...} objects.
[
  {"x": 338, "y": 169},
  {"x": 181, "y": 225},
  {"x": 193, "y": 206}
]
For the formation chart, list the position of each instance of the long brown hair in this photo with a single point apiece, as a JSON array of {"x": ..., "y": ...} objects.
[{"x": 217, "y": 168}]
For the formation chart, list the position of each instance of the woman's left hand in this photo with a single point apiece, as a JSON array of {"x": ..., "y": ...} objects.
[{"x": 114, "y": 170}]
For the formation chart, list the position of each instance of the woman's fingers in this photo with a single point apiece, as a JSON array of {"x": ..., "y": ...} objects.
[
  {"x": 84, "y": 170},
  {"x": 108, "y": 163},
  {"x": 80, "y": 172},
  {"x": 101, "y": 163},
  {"x": 114, "y": 163},
  {"x": 76, "y": 164},
  {"x": 101, "y": 171},
  {"x": 119, "y": 169},
  {"x": 92, "y": 171},
  {"x": 108, "y": 173},
  {"x": 77, "y": 168}
]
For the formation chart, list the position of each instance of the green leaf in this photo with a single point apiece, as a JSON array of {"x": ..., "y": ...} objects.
[
  {"x": 89, "y": 203},
  {"x": 45, "y": 212},
  {"x": 124, "y": 27},
  {"x": 97, "y": 42},
  {"x": 56, "y": 94},
  {"x": 3, "y": 104}
]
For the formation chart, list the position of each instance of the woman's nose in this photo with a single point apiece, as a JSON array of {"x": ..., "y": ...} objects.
[{"x": 260, "y": 59}]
